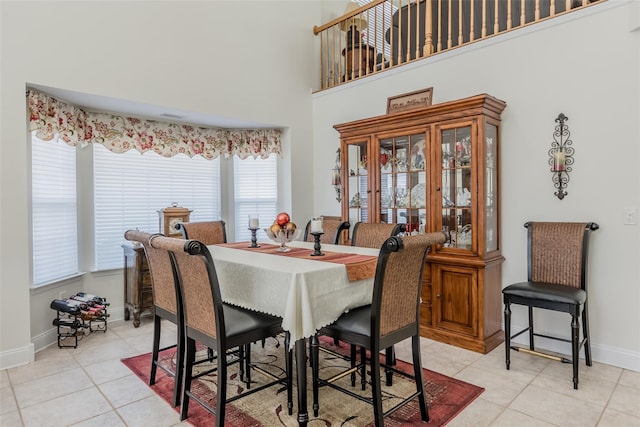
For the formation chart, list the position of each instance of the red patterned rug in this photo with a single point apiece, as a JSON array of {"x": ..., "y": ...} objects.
[{"x": 446, "y": 396}]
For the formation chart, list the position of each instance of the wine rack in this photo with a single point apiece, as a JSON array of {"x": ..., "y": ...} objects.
[{"x": 77, "y": 316}]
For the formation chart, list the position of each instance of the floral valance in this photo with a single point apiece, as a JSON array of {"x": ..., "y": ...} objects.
[{"x": 49, "y": 116}]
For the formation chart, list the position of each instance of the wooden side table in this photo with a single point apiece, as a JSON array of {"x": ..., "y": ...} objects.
[{"x": 138, "y": 293}]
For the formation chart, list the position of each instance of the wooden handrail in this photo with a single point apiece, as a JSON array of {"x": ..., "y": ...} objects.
[
  {"x": 346, "y": 16},
  {"x": 402, "y": 31}
]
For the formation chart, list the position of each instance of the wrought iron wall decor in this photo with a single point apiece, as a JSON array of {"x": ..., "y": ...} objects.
[
  {"x": 561, "y": 156},
  {"x": 336, "y": 177}
]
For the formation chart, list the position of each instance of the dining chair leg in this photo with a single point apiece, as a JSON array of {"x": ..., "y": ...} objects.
[
  {"x": 352, "y": 349},
  {"x": 247, "y": 360},
  {"x": 179, "y": 373},
  {"x": 155, "y": 350},
  {"x": 376, "y": 389},
  {"x": 221, "y": 397},
  {"x": 507, "y": 334},
  {"x": 575, "y": 346},
  {"x": 531, "y": 332},
  {"x": 242, "y": 363},
  {"x": 585, "y": 335},
  {"x": 390, "y": 360},
  {"x": 189, "y": 358},
  {"x": 417, "y": 371},
  {"x": 363, "y": 368}
]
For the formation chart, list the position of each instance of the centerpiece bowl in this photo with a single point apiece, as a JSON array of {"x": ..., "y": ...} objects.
[{"x": 283, "y": 236}]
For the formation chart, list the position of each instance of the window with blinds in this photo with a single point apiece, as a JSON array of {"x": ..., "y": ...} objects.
[
  {"x": 129, "y": 189},
  {"x": 54, "y": 211},
  {"x": 255, "y": 193}
]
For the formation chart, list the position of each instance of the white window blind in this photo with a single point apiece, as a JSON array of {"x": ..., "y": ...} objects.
[
  {"x": 256, "y": 193},
  {"x": 129, "y": 189},
  {"x": 54, "y": 211}
]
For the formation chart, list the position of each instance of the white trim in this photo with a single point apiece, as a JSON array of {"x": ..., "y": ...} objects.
[
  {"x": 17, "y": 356},
  {"x": 45, "y": 339},
  {"x": 58, "y": 283}
]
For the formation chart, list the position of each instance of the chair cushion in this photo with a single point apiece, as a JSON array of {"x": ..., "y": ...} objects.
[
  {"x": 356, "y": 321},
  {"x": 547, "y": 292},
  {"x": 239, "y": 321}
]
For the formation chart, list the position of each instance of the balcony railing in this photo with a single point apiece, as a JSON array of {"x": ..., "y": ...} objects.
[{"x": 384, "y": 34}]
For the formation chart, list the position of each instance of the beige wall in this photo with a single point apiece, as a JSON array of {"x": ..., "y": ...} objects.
[
  {"x": 587, "y": 66},
  {"x": 256, "y": 61},
  {"x": 249, "y": 60}
]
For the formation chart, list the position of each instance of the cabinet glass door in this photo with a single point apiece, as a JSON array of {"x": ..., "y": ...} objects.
[
  {"x": 491, "y": 184},
  {"x": 357, "y": 191},
  {"x": 403, "y": 192},
  {"x": 456, "y": 186}
]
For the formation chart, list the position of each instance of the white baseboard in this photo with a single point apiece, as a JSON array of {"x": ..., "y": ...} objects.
[
  {"x": 613, "y": 356},
  {"x": 17, "y": 356},
  {"x": 22, "y": 356},
  {"x": 45, "y": 339}
]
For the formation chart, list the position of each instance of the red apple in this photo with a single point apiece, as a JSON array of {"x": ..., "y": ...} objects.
[{"x": 282, "y": 219}]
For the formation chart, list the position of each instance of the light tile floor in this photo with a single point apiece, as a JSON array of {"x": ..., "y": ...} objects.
[{"x": 89, "y": 386}]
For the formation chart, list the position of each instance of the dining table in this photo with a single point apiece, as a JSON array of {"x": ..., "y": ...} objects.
[{"x": 308, "y": 292}]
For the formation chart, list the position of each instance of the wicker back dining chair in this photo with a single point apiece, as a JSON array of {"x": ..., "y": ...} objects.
[
  {"x": 373, "y": 235},
  {"x": 557, "y": 255},
  {"x": 393, "y": 316},
  {"x": 213, "y": 323},
  {"x": 207, "y": 232},
  {"x": 333, "y": 231},
  {"x": 167, "y": 305}
]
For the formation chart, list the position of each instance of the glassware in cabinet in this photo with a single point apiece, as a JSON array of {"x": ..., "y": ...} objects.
[
  {"x": 457, "y": 186},
  {"x": 357, "y": 180},
  {"x": 491, "y": 184},
  {"x": 403, "y": 189}
]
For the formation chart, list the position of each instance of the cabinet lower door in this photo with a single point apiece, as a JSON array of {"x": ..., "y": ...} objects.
[{"x": 455, "y": 304}]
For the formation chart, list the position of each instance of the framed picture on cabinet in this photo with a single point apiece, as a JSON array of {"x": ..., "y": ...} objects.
[{"x": 408, "y": 101}]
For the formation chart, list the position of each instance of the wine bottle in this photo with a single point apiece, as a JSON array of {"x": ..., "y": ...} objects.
[
  {"x": 61, "y": 305},
  {"x": 68, "y": 323},
  {"x": 96, "y": 298},
  {"x": 90, "y": 302},
  {"x": 75, "y": 303}
]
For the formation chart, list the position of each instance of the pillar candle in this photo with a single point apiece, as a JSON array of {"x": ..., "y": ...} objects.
[
  {"x": 253, "y": 222},
  {"x": 316, "y": 225},
  {"x": 558, "y": 161},
  {"x": 336, "y": 177}
]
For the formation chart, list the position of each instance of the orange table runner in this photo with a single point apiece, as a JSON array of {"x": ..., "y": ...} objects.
[{"x": 359, "y": 267}]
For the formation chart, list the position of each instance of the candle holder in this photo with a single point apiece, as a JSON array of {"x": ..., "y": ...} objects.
[
  {"x": 254, "y": 240},
  {"x": 561, "y": 156},
  {"x": 316, "y": 243}
]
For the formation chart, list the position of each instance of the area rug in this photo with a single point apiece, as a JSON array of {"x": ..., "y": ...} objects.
[{"x": 446, "y": 396}]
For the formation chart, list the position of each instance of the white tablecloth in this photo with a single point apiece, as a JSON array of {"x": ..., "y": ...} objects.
[{"x": 307, "y": 294}]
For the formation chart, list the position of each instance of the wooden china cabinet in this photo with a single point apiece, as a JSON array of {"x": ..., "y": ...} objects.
[{"x": 436, "y": 168}]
